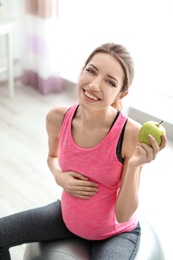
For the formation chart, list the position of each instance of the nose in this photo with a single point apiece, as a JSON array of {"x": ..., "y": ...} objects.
[{"x": 95, "y": 84}]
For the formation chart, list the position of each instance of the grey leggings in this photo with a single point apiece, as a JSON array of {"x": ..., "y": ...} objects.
[{"x": 45, "y": 224}]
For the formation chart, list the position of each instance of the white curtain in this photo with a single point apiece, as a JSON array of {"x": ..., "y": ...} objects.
[{"x": 41, "y": 56}]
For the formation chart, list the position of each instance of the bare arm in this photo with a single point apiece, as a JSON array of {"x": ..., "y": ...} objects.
[
  {"x": 136, "y": 155},
  {"x": 74, "y": 183}
]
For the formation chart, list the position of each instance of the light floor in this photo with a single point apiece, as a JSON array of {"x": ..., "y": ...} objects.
[{"x": 26, "y": 182}]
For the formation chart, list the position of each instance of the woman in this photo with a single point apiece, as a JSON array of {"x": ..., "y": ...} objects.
[{"x": 95, "y": 156}]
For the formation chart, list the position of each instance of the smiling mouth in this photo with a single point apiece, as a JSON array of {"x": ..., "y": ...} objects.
[{"x": 90, "y": 96}]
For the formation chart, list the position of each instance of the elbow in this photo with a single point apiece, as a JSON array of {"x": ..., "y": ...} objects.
[
  {"x": 122, "y": 216},
  {"x": 48, "y": 161},
  {"x": 122, "y": 219}
]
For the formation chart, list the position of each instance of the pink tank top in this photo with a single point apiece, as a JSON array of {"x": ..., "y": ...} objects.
[{"x": 93, "y": 219}]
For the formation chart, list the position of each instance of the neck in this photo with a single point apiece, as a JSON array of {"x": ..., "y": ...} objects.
[{"x": 97, "y": 118}]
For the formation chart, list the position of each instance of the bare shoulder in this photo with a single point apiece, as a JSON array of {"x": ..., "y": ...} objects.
[
  {"x": 54, "y": 120},
  {"x": 132, "y": 127},
  {"x": 130, "y": 136},
  {"x": 56, "y": 114}
]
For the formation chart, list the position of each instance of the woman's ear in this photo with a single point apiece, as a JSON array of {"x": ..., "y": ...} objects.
[
  {"x": 118, "y": 103},
  {"x": 123, "y": 94}
]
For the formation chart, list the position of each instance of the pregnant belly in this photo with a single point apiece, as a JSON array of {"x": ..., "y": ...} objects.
[{"x": 92, "y": 219}]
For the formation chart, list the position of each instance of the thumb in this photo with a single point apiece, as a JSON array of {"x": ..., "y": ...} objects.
[{"x": 79, "y": 176}]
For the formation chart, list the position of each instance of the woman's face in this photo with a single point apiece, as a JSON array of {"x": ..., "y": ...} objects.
[{"x": 100, "y": 82}]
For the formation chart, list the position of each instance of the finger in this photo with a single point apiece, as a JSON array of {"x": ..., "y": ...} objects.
[
  {"x": 83, "y": 195},
  {"x": 146, "y": 151},
  {"x": 87, "y": 184},
  {"x": 145, "y": 147},
  {"x": 91, "y": 191},
  {"x": 79, "y": 176},
  {"x": 163, "y": 143},
  {"x": 86, "y": 188},
  {"x": 154, "y": 145},
  {"x": 76, "y": 188}
]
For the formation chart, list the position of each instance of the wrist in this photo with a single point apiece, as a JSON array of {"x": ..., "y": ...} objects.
[
  {"x": 134, "y": 163},
  {"x": 57, "y": 176}
]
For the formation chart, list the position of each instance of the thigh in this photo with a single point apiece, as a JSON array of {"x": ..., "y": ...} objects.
[
  {"x": 40, "y": 224},
  {"x": 120, "y": 247}
]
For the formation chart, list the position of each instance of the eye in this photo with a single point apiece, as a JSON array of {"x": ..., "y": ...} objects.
[
  {"x": 90, "y": 70},
  {"x": 112, "y": 83}
]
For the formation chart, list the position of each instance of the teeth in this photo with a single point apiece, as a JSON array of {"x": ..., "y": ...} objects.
[{"x": 90, "y": 96}]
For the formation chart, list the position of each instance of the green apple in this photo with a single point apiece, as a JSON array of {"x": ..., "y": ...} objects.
[{"x": 153, "y": 128}]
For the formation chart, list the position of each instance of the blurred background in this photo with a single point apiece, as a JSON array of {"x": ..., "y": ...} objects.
[
  {"x": 52, "y": 39},
  {"x": 49, "y": 41}
]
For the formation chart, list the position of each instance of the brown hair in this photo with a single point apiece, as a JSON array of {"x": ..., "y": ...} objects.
[{"x": 123, "y": 56}]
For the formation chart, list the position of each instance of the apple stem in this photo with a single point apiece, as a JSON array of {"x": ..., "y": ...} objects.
[{"x": 160, "y": 123}]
